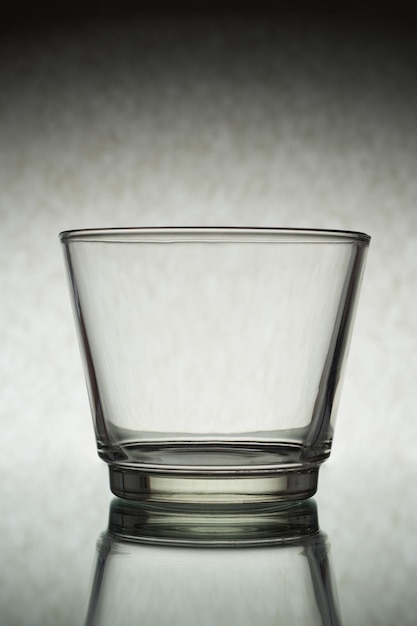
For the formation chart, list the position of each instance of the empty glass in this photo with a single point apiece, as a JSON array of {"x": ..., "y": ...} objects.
[{"x": 214, "y": 356}]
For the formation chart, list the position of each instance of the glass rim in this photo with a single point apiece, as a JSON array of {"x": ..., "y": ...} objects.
[{"x": 176, "y": 234}]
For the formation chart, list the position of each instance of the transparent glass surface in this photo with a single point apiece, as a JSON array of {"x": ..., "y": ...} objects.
[
  {"x": 234, "y": 566},
  {"x": 214, "y": 356},
  {"x": 67, "y": 560}
]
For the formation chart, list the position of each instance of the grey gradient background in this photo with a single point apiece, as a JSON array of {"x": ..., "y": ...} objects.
[{"x": 151, "y": 119}]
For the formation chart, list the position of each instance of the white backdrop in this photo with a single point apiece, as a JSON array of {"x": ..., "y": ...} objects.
[{"x": 161, "y": 122}]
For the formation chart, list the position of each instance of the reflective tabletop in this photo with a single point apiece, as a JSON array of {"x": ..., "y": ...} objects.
[{"x": 337, "y": 558}]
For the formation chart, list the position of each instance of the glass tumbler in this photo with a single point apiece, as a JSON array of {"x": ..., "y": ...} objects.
[{"x": 214, "y": 356}]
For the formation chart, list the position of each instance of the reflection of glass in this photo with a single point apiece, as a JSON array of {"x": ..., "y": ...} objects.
[
  {"x": 214, "y": 356},
  {"x": 163, "y": 565}
]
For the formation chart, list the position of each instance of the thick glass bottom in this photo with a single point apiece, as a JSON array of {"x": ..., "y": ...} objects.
[
  {"x": 216, "y": 472},
  {"x": 135, "y": 484}
]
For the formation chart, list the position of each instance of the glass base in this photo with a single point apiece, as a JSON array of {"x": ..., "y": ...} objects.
[{"x": 251, "y": 487}]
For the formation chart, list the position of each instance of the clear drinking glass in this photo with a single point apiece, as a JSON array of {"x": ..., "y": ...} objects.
[{"x": 214, "y": 356}]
